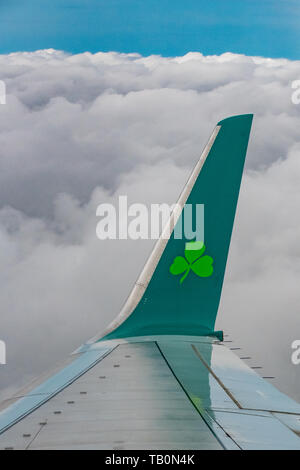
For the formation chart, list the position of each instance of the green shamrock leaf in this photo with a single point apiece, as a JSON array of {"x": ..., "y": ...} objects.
[
  {"x": 179, "y": 266},
  {"x": 202, "y": 266}
]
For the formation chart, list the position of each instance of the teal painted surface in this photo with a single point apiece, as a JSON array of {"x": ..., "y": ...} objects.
[
  {"x": 256, "y": 432},
  {"x": 168, "y": 307},
  {"x": 202, "y": 388},
  {"x": 139, "y": 405},
  {"x": 249, "y": 389},
  {"x": 227, "y": 400},
  {"x": 143, "y": 391},
  {"x": 50, "y": 387},
  {"x": 290, "y": 420}
]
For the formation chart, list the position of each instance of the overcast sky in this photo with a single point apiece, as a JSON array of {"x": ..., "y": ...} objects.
[{"x": 78, "y": 130}]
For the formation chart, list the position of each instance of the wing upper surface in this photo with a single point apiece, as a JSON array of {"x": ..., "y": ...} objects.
[{"x": 153, "y": 393}]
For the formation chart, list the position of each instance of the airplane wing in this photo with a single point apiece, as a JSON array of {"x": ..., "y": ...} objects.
[{"x": 160, "y": 376}]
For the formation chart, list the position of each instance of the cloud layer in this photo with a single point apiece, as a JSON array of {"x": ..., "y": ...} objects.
[{"x": 78, "y": 130}]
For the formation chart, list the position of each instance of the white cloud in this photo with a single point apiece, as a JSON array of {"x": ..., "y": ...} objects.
[{"x": 80, "y": 130}]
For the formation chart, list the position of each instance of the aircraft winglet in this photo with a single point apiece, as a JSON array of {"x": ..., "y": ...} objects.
[{"x": 179, "y": 289}]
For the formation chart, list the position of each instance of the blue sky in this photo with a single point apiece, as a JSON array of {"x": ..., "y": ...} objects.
[{"x": 168, "y": 27}]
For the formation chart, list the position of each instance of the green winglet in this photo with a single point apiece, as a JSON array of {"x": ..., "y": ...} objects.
[{"x": 169, "y": 306}]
